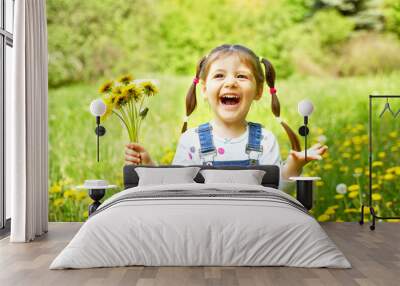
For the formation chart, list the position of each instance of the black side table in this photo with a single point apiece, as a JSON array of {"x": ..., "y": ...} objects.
[
  {"x": 304, "y": 190},
  {"x": 96, "y": 190}
]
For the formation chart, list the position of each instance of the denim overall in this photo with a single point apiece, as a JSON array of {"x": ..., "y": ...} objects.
[{"x": 208, "y": 150}]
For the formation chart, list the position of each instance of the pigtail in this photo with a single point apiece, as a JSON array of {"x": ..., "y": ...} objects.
[
  {"x": 275, "y": 105},
  {"x": 191, "y": 101}
]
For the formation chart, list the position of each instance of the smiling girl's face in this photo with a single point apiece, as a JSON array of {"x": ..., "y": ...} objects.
[{"x": 230, "y": 88}]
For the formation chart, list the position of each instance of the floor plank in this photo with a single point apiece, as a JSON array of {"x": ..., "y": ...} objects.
[{"x": 374, "y": 255}]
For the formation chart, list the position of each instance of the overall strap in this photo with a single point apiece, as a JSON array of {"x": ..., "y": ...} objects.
[
  {"x": 253, "y": 147},
  {"x": 207, "y": 148}
]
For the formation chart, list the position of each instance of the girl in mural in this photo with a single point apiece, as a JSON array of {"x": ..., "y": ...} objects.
[{"x": 231, "y": 78}]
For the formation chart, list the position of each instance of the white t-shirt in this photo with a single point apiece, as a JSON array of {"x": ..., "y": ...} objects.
[{"x": 229, "y": 149}]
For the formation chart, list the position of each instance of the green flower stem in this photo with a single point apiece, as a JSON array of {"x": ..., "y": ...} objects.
[{"x": 116, "y": 113}]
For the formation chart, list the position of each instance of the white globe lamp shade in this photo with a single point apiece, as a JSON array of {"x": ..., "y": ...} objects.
[
  {"x": 97, "y": 107},
  {"x": 305, "y": 107}
]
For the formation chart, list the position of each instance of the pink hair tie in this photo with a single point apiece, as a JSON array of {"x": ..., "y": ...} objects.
[
  {"x": 196, "y": 80},
  {"x": 272, "y": 90}
]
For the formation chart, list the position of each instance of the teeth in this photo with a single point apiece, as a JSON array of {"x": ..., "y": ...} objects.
[{"x": 231, "y": 96}]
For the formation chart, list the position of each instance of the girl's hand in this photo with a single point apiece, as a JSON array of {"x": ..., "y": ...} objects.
[
  {"x": 313, "y": 153},
  {"x": 136, "y": 154}
]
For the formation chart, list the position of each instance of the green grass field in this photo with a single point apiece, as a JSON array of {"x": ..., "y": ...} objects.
[{"x": 341, "y": 115}]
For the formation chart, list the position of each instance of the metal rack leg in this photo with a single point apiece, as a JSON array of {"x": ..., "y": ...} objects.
[
  {"x": 372, "y": 227},
  {"x": 362, "y": 215}
]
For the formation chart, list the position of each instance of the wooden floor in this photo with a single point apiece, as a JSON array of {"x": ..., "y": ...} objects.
[{"x": 374, "y": 255}]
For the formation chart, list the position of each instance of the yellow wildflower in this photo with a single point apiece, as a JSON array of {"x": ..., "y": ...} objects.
[
  {"x": 80, "y": 195},
  {"x": 339, "y": 196},
  {"x": 350, "y": 210},
  {"x": 358, "y": 170},
  {"x": 329, "y": 211},
  {"x": 339, "y": 220},
  {"x": 55, "y": 189},
  {"x": 149, "y": 88},
  {"x": 388, "y": 177},
  {"x": 381, "y": 154},
  {"x": 117, "y": 90},
  {"x": 346, "y": 155},
  {"x": 376, "y": 197},
  {"x": 353, "y": 195},
  {"x": 377, "y": 164},
  {"x": 132, "y": 91},
  {"x": 323, "y": 218},
  {"x": 69, "y": 194},
  {"x": 106, "y": 87},
  {"x": 356, "y": 156},
  {"x": 393, "y": 134},
  {"x": 357, "y": 140},
  {"x": 125, "y": 79},
  {"x": 346, "y": 143},
  {"x": 328, "y": 166},
  {"x": 58, "y": 202},
  {"x": 85, "y": 214},
  {"x": 344, "y": 169},
  {"x": 375, "y": 186},
  {"x": 319, "y": 183},
  {"x": 394, "y": 148},
  {"x": 353, "y": 188},
  {"x": 389, "y": 204},
  {"x": 397, "y": 170}
]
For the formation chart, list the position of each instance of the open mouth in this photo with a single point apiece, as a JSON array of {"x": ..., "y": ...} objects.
[{"x": 229, "y": 99}]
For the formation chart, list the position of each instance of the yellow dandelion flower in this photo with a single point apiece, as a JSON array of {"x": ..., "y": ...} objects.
[
  {"x": 85, "y": 214},
  {"x": 339, "y": 220},
  {"x": 393, "y": 134},
  {"x": 80, "y": 195},
  {"x": 353, "y": 188},
  {"x": 346, "y": 143},
  {"x": 323, "y": 217},
  {"x": 125, "y": 79},
  {"x": 339, "y": 196},
  {"x": 106, "y": 87},
  {"x": 133, "y": 91},
  {"x": 344, "y": 169},
  {"x": 394, "y": 220},
  {"x": 350, "y": 210},
  {"x": 58, "y": 202},
  {"x": 375, "y": 186},
  {"x": 69, "y": 194},
  {"x": 346, "y": 155},
  {"x": 55, "y": 189},
  {"x": 358, "y": 170},
  {"x": 366, "y": 210},
  {"x": 377, "y": 164},
  {"x": 120, "y": 101},
  {"x": 330, "y": 211},
  {"x": 373, "y": 175},
  {"x": 388, "y": 177},
  {"x": 381, "y": 154},
  {"x": 356, "y": 140},
  {"x": 376, "y": 197},
  {"x": 389, "y": 204},
  {"x": 149, "y": 88},
  {"x": 319, "y": 183},
  {"x": 353, "y": 195},
  {"x": 356, "y": 156},
  {"x": 394, "y": 148},
  {"x": 397, "y": 170},
  {"x": 358, "y": 149},
  {"x": 328, "y": 166},
  {"x": 117, "y": 90}
]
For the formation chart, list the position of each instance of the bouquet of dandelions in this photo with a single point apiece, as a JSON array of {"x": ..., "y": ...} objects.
[{"x": 127, "y": 99}]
